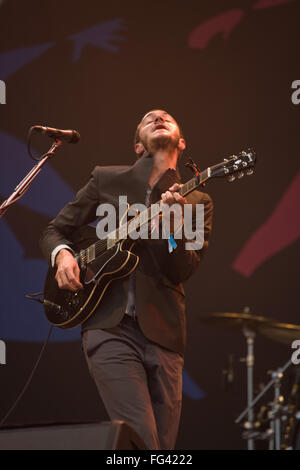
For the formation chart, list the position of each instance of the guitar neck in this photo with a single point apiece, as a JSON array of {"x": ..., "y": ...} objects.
[
  {"x": 193, "y": 184},
  {"x": 242, "y": 163},
  {"x": 153, "y": 211}
]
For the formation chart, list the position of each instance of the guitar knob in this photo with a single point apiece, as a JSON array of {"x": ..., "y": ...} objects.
[{"x": 231, "y": 178}]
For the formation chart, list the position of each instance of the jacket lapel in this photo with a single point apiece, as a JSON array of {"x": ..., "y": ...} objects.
[
  {"x": 133, "y": 182},
  {"x": 164, "y": 183},
  {"x": 138, "y": 176}
]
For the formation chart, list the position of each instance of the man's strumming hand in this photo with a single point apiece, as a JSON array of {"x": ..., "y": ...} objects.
[{"x": 68, "y": 272}]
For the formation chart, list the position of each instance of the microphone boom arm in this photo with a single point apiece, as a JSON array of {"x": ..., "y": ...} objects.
[{"x": 23, "y": 186}]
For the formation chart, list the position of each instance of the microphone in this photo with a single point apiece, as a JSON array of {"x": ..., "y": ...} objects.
[{"x": 70, "y": 136}]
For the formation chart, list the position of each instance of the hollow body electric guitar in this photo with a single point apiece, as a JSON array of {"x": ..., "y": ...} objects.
[{"x": 103, "y": 261}]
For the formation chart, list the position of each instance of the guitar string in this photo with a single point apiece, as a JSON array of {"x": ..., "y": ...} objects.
[{"x": 101, "y": 245}]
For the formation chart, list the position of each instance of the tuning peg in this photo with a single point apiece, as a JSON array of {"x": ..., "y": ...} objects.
[
  {"x": 231, "y": 178},
  {"x": 226, "y": 160},
  {"x": 240, "y": 174},
  {"x": 250, "y": 172},
  {"x": 235, "y": 167},
  {"x": 244, "y": 164}
]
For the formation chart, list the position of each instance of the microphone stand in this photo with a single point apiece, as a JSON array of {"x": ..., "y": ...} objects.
[{"x": 23, "y": 186}]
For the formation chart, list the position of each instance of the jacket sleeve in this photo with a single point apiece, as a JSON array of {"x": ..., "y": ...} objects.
[
  {"x": 75, "y": 214},
  {"x": 181, "y": 263}
]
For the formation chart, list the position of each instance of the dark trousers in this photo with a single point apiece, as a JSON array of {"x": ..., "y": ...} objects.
[{"x": 139, "y": 381}]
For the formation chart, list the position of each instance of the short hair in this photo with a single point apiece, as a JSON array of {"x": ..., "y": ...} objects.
[{"x": 137, "y": 132}]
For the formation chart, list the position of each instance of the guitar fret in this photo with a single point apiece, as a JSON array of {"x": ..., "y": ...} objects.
[
  {"x": 133, "y": 224},
  {"x": 122, "y": 232},
  {"x": 204, "y": 175},
  {"x": 112, "y": 239},
  {"x": 189, "y": 186},
  {"x": 143, "y": 217}
]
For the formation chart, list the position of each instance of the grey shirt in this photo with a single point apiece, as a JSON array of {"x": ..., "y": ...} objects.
[{"x": 130, "y": 308}]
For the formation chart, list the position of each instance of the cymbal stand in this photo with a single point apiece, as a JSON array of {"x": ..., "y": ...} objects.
[
  {"x": 276, "y": 409},
  {"x": 249, "y": 424}
]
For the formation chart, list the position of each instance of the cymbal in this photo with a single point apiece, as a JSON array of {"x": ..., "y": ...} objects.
[
  {"x": 235, "y": 320},
  {"x": 284, "y": 333}
]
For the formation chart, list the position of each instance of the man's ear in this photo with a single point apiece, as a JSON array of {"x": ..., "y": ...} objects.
[
  {"x": 139, "y": 149},
  {"x": 181, "y": 144}
]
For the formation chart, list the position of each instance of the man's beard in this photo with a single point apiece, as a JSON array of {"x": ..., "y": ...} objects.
[{"x": 161, "y": 142}]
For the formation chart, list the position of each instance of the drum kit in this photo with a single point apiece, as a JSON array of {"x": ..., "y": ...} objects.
[{"x": 278, "y": 422}]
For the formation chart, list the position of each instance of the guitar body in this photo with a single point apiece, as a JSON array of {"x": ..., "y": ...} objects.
[{"x": 67, "y": 309}]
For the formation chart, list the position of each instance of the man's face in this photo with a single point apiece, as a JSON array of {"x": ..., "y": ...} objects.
[{"x": 159, "y": 130}]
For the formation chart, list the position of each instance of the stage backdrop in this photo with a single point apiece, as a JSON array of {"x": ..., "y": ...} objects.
[{"x": 226, "y": 70}]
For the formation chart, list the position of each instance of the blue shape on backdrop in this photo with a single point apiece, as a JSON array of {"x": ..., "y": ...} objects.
[
  {"x": 190, "y": 388},
  {"x": 12, "y": 61},
  {"x": 22, "y": 319},
  {"x": 100, "y": 35}
]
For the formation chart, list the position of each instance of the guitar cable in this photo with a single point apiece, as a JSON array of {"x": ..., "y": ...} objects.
[{"x": 32, "y": 372}]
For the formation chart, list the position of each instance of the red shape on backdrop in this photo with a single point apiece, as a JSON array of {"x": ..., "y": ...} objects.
[
  {"x": 205, "y": 32},
  {"x": 280, "y": 230},
  {"x": 269, "y": 3}
]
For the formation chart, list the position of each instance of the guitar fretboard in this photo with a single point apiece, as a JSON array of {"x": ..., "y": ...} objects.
[
  {"x": 151, "y": 212},
  {"x": 244, "y": 161},
  {"x": 139, "y": 220}
]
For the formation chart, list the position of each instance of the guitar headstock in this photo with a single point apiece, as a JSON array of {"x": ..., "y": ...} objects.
[{"x": 235, "y": 166}]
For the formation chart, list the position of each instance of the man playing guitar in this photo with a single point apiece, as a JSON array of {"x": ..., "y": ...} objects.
[{"x": 135, "y": 339}]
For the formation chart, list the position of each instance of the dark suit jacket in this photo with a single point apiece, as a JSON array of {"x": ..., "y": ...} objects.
[{"x": 160, "y": 298}]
